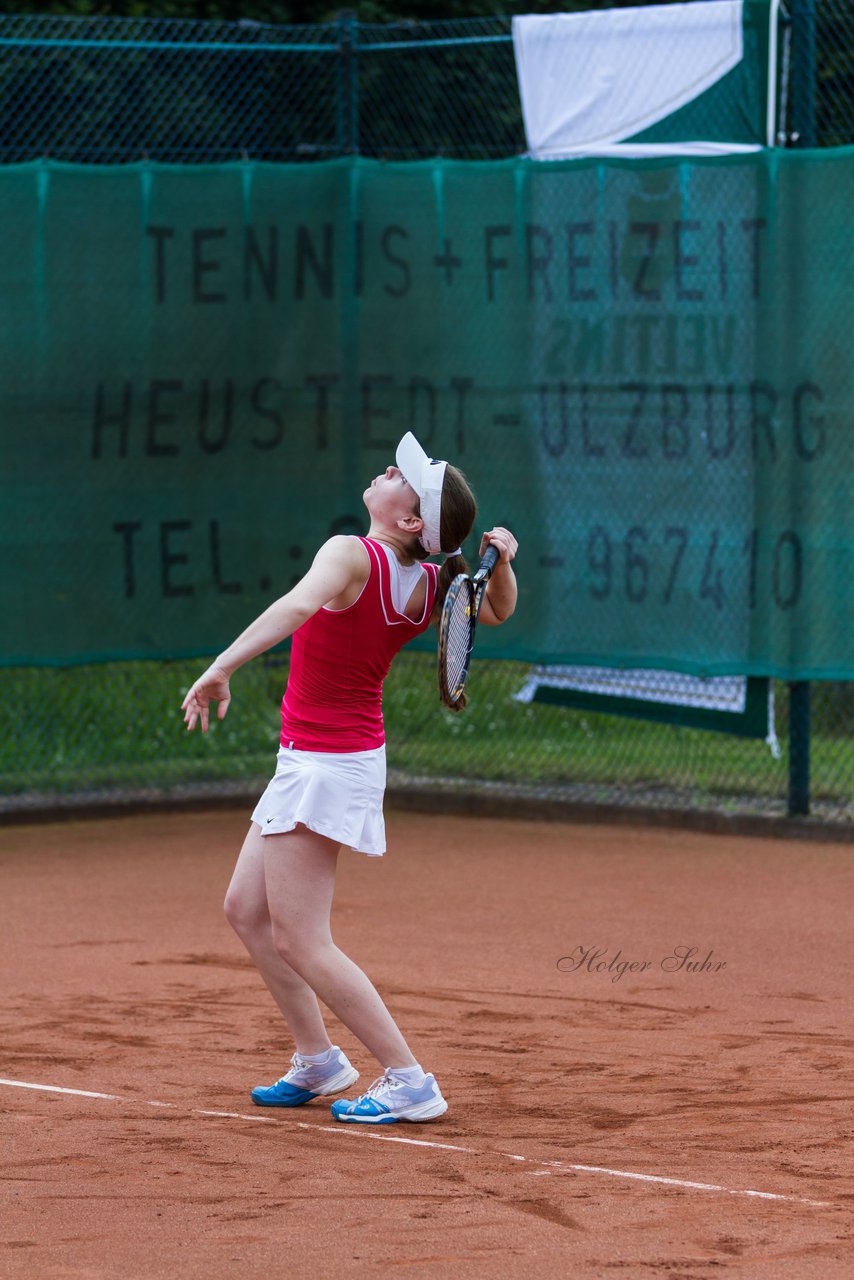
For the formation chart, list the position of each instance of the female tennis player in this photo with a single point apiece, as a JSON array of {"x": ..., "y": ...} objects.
[{"x": 360, "y": 602}]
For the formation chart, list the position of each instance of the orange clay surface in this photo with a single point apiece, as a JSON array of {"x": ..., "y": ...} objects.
[{"x": 120, "y": 976}]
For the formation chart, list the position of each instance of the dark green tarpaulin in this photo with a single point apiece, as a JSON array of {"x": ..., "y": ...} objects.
[{"x": 644, "y": 367}]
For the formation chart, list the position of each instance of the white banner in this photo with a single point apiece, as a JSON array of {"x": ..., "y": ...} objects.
[
  {"x": 670, "y": 688},
  {"x": 589, "y": 81}
]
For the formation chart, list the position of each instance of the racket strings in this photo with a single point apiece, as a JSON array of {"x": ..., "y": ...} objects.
[
  {"x": 458, "y": 638},
  {"x": 457, "y": 628}
]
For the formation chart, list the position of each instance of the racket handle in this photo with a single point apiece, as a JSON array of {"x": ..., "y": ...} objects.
[{"x": 488, "y": 563}]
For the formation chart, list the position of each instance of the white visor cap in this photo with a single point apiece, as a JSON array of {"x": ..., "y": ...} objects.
[{"x": 426, "y": 478}]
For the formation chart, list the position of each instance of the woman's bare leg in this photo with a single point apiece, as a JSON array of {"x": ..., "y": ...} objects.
[
  {"x": 247, "y": 913},
  {"x": 300, "y": 875}
]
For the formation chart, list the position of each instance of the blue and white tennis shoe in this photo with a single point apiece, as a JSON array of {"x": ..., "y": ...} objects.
[
  {"x": 389, "y": 1099},
  {"x": 307, "y": 1080}
]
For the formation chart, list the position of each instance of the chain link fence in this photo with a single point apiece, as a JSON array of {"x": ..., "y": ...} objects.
[
  {"x": 102, "y": 91},
  {"x": 827, "y": 32},
  {"x": 109, "y": 91},
  {"x": 79, "y": 737}
]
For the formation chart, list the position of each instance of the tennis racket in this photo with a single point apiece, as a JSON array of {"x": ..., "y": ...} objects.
[{"x": 457, "y": 627}]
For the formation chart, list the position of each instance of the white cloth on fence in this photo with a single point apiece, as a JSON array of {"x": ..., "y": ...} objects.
[{"x": 589, "y": 80}]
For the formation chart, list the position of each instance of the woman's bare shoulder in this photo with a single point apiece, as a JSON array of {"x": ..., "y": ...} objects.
[
  {"x": 344, "y": 564},
  {"x": 343, "y": 548}
]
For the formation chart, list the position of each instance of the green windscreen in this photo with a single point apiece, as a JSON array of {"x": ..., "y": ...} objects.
[{"x": 643, "y": 367}]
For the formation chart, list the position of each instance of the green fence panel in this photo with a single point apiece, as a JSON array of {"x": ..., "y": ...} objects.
[{"x": 642, "y": 365}]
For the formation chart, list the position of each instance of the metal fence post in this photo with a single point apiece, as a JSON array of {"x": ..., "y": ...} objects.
[
  {"x": 802, "y": 134},
  {"x": 803, "y": 129},
  {"x": 348, "y": 84},
  {"x": 799, "y": 748}
]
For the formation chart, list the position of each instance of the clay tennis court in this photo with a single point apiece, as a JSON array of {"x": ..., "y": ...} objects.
[{"x": 679, "y": 1124}]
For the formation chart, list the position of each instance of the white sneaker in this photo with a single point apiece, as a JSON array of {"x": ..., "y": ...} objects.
[
  {"x": 389, "y": 1099},
  {"x": 307, "y": 1080}
]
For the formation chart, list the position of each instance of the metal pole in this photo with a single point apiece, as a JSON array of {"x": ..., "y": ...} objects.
[
  {"x": 803, "y": 131},
  {"x": 803, "y": 134},
  {"x": 799, "y": 749},
  {"x": 348, "y": 85}
]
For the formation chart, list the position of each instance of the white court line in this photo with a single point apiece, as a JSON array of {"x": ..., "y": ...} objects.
[
  {"x": 79, "y": 1093},
  {"x": 363, "y": 1131}
]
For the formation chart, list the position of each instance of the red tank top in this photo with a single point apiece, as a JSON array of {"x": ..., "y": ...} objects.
[{"x": 339, "y": 659}]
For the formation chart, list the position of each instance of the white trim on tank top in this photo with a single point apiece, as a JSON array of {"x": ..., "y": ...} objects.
[
  {"x": 399, "y": 575},
  {"x": 404, "y": 580}
]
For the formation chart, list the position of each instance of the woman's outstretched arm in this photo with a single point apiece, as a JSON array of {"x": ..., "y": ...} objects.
[{"x": 338, "y": 564}]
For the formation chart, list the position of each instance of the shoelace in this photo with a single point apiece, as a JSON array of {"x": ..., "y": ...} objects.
[
  {"x": 297, "y": 1064},
  {"x": 386, "y": 1079}
]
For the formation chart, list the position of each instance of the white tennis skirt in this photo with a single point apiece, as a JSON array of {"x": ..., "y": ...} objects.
[{"x": 338, "y": 795}]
